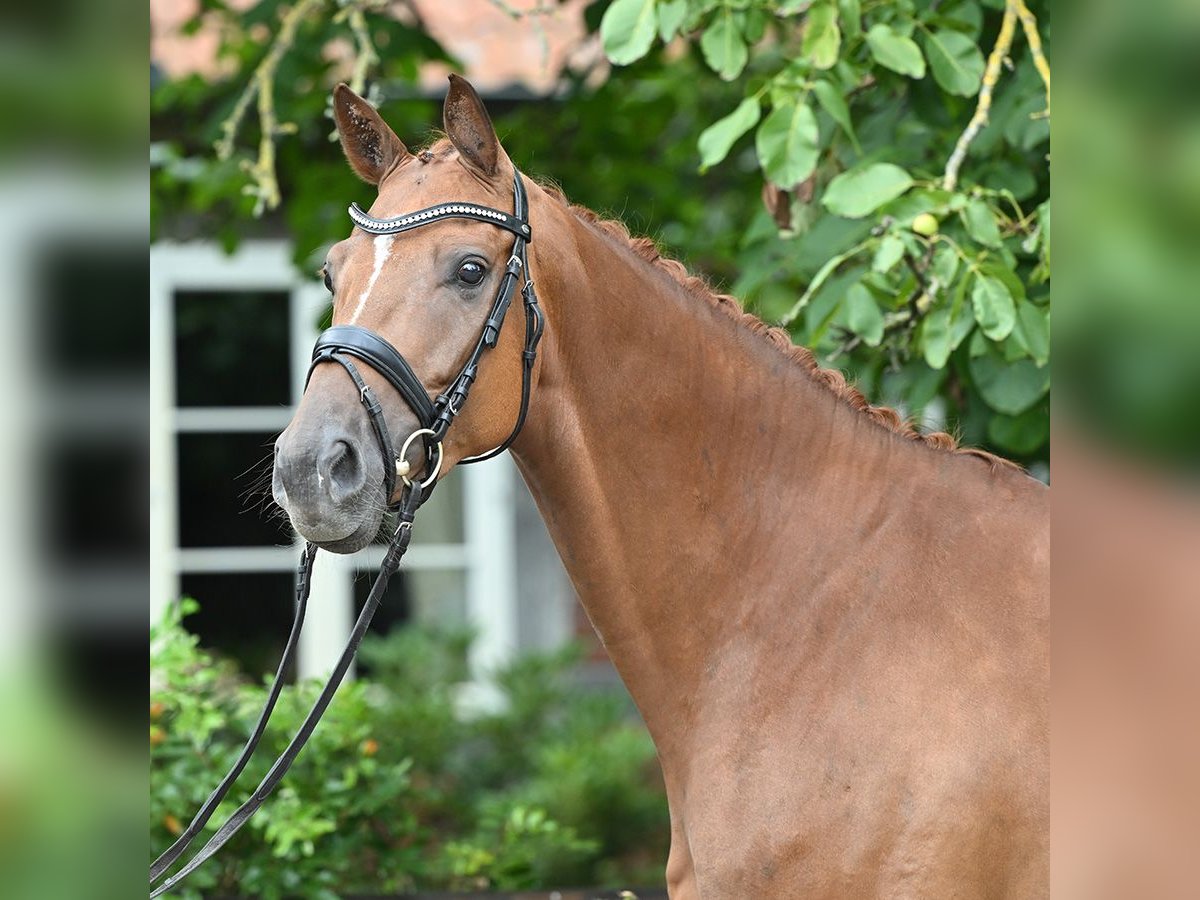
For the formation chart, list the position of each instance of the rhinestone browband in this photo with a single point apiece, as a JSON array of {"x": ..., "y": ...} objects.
[{"x": 442, "y": 211}]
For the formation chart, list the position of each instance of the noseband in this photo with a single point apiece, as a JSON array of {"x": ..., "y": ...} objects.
[{"x": 343, "y": 344}]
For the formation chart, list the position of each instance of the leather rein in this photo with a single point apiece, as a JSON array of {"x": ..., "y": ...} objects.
[{"x": 343, "y": 344}]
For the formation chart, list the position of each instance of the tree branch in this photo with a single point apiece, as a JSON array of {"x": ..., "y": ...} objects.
[
  {"x": 262, "y": 87},
  {"x": 991, "y": 74},
  {"x": 366, "y": 56},
  {"x": 1030, "y": 26}
]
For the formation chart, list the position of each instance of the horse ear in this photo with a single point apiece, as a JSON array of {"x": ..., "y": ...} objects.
[
  {"x": 470, "y": 128},
  {"x": 371, "y": 147}
]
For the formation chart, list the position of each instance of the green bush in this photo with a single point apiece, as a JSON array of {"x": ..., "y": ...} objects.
[{"x": 399, "y": 791}]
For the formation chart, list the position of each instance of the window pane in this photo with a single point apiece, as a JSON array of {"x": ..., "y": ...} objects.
[
  {"x": 95, "y": 506},
  {"x": 92, "y": 309},
  {"x": 436, "y": 597},
  {"x": 231, "y": 348},
  {"x": 441, "y": 519},
  {"x": 225, "y": 492},
  {"x": 393, "y": 611},
  {"x": 245, "y": 616},
  {"x": 439, "y": 596}
]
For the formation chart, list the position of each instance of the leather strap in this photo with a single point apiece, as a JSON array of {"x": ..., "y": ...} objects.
[
  {"x": 172, "y": 853},
  {"x": 438, "y": 415},
  {"x": 391, "y": 562},
  {"x": 378, "y": 422},
  {"x": 515, "y": 223},
  {"x": 374, "y": 350}
]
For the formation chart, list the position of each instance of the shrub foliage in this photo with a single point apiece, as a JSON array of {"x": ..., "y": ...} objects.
[{"x": 397, "y": 790}]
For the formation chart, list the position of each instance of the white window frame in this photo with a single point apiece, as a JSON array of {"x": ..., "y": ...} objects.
[
  {"x": 487, "y": 555},
  {"x": 43, "y": 205}
]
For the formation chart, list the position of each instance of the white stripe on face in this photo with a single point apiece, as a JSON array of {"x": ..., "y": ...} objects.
[{"x": 383, "y": 249}]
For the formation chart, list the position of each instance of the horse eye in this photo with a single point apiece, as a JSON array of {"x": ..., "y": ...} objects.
[
  {"x": 328, "y": 280},
  {"x": 470, "y": 273}
]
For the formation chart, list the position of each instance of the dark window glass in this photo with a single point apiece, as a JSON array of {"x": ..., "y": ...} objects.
[
  {"x": 102, "y": 670},
  {"x": 245, "y": 616},
  {"x": 225, "y": 492},
  {"x": 96, "y": 501},
  {"x": 231, "y": 348},
  {"x": 92, "y": 306},
  {"x": 394, "y": 610}
]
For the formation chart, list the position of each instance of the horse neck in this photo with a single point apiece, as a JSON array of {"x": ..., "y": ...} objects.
[{"x": 671, "y": 450}]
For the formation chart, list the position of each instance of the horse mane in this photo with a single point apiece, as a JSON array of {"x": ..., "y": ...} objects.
[{"x": 831, "y": 379}]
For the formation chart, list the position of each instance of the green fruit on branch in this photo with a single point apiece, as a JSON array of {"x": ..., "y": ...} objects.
[{"x": 925, "y": 224}]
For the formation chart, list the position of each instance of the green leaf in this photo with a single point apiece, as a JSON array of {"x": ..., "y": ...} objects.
[
  {"x": 965, "y": 16},
  {"x": 723, "y": 47},
  {"x": 957, "y": 64},
  {"x": 813, "y": 286},
  {"x": 671, "y": 14},
  {"x": 891, "y": 249},
  {"x": 753, "y": 24},
  {"x": 833, "y": 103},
  {"x": 1032, "y": 331},
  {"x": 1021, "y": 434},
  {"x": 935, "y": 338},
  {"x": 962, "y": 320},
  {"x": 895, "y": 51},
  {"x": 627, "y": 30},
  {"x": 999, "y": 270},
  {"x": 862, "y": 190},
  {"x": 980, "y": 223},
  {"x": 945, "y": 264},
  {"x": 787, "y": 144},
  {"x": 1010, "y": 388},
  {"x": 718, "y": 138},
  {"x": 863, "y": 316},
  {"x": 993, "y": 306},
  {"x": 1012, "y": 349},
  {"x": 822, "y": 37},
  {"x": 851, "y": 11},
  {"x": 827, "y": 302}
]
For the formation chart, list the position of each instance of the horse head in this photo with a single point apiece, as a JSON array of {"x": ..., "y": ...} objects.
[{"x": 432, "y": 294}]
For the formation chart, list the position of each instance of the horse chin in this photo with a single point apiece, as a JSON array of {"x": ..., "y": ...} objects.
[
  {"x": 351, "y": 542},
  {"x": 355, "y": 541}
]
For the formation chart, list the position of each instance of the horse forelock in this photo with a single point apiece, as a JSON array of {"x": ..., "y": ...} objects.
[{"x": 832, "y": 379}]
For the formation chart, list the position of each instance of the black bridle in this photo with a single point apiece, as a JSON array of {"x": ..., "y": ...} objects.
[{"x": 343, "y": 344}]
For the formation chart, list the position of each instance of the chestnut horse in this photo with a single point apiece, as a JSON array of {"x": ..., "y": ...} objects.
[{"x": 835, "y": 628}]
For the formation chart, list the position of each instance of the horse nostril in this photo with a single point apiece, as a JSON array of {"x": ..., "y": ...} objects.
[{"x": 341, "y": 470}]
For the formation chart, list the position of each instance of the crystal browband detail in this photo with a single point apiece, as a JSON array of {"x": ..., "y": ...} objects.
[{"x": 442, "y": 211}]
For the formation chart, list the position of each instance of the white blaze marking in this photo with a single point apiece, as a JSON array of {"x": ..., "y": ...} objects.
[{"x": 383, "y": 249}]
